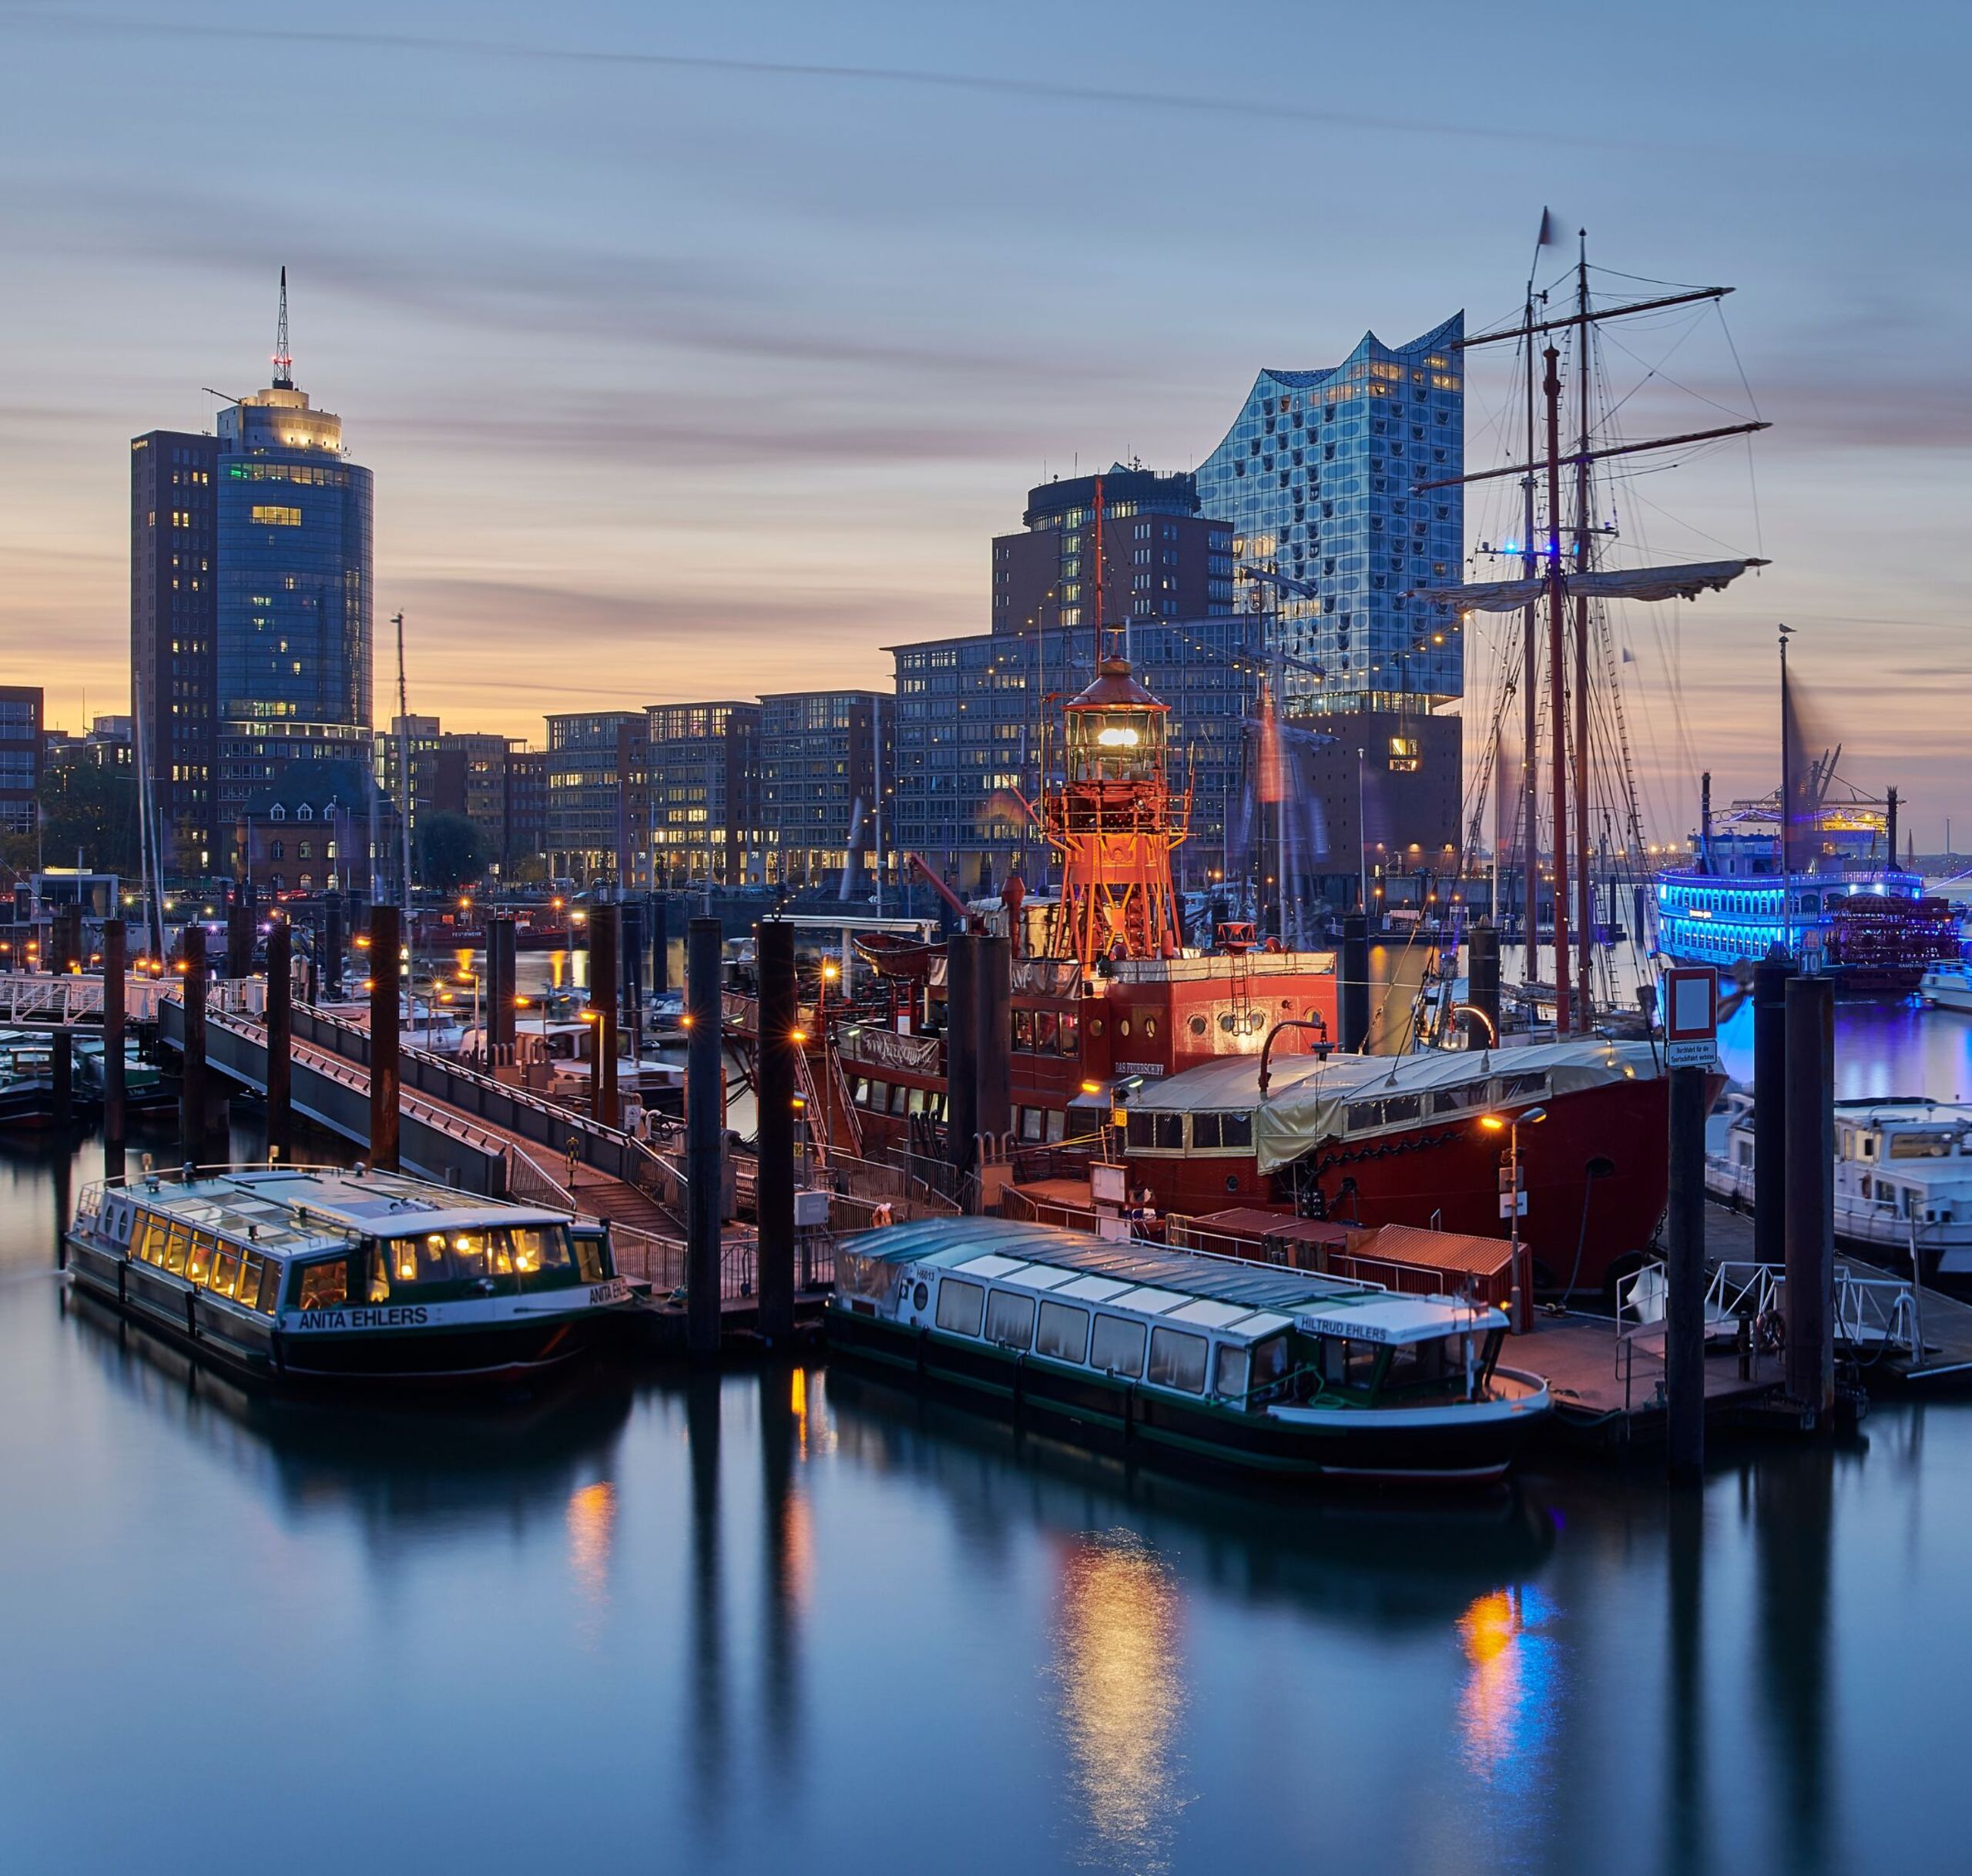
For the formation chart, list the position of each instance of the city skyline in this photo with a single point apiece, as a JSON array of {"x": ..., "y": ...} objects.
[{"x": 730, "y": 426}]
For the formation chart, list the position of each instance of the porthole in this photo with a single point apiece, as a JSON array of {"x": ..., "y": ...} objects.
[
  {"x": 1198, "y": 1025},
  {"x": 1123, "y": 1027},
  {"x": 921, "y": 1296},
  {"x": 1226, "y": 1021},
  {"x": 1287, "y": 1002},
  {"x": 1232, "y": 1185},
  {"x": 1095, "y": 1026},
  {"x": 1150, "y": 1028}
]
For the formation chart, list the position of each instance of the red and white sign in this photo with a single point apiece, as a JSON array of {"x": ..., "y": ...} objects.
[{"x": 1691, "y": 1016}]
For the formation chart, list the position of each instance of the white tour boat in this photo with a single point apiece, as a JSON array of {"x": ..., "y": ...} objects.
[{"x": 315, "y": 1274}]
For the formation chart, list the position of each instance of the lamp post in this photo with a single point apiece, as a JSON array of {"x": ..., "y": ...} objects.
[{"x": 1522, "y": 1310}]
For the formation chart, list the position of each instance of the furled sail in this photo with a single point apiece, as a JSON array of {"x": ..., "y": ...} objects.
[{"x": 1685, "y": 582}]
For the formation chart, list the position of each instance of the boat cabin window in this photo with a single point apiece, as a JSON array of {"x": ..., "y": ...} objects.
[
  {"x": 1063, "y": 1332},
  {"x": 1521, "y": 1087},
  {"x": 1455, "y": 1100},
  {"x": 198, "y": 1253},
  {"x": 960, "y": 1306},
  {"x": 225, "y": 1278},
  {"x": 174, "y": 1249},
  {"x": 590, "y": 1264},
  {"x": 259, "y": 1283},
  {"x": 538, "y": 1254},
  {"x": 1010, "y": 1319},
  {"x": 325, "y": 1285},
  {"x": 1920, "y": 1146},
  {"x": 1116, "y": 1347},
  {"x": 1157, "y": 1133},
  {"x": 1177, "y": 1360},
  {"x": 1234, "y": 1365},
  {"x": 1424, "y": 1364},
  {"x": 1213, "y": 1132}
]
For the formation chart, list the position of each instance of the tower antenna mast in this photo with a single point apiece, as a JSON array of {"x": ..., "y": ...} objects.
[{"x": 283, "y": 360}]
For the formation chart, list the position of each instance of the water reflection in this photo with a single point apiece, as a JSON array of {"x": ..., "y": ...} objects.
[
  {"x": 1506, "y": 1705},
  {"x": 1121, "y": 1691},
  {"x": 592, "y": 1521}
]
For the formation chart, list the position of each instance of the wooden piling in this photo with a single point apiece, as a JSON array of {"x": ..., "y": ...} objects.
[
  {"x": 962, "y": 1068},
  {"x": 993, "y": 1035},
  {"x": 333, "y": 943},
  {"x": 1353, "y": 991},
  {"x": 280, "y": 1035},
  {"x": 1684, "y": 1270},
  {"x": 192, "y": 1082},
  {"x": 239, "y": 935},
  {"x": 1482, "y": 974},
  {"x": 501, "y": 987},
  {"x": 1770, "y": 979},
  {"x": 116, "y": 971},
  {"x": 62, "y": 1067},
  {"x": 385, "y": 1083},
  {"x": 1810, "y": 1195},
  {"x": 604, "y": 952},
  {"x": 705, "y": 1125},
  {"x": 778, "y": 1023}
]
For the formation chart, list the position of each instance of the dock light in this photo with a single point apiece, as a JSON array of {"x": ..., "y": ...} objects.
[
  {"x": 797, "y": 1035},
  {"x": 685, "y": 1021},
  {"x": 588, "y": 1016},
  {"x": 465, "y": 902},
  {"x": 1091, "y": 1087},
  {"x": 363, "y": 941},
  {"x": 520, "y": 1003},
  {"x": 798, "y": 1103},
  {"x": 1117, "y": 736},
  {"x": 831, "y": 972},
  {"x": 578, "y": 918}
]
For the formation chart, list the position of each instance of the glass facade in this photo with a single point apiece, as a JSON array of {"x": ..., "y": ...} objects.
[
  {"x": 597, "y": 817},
  {"x": 1317, "y": 477},
  {"x": 294, "y": 590},
  {"x": 704, "y": 801},
  {"x": 818, "y": 770}
]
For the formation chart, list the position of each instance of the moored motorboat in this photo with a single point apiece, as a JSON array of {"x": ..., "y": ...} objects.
[
  {"x": 1188, "y": 1359},
  {"x": 307, "y": 1273}
]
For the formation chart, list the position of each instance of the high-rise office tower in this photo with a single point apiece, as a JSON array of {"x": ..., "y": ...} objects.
[
  {"x": 174, "y": 626},
  {"x": 250, "y": 608},
  {"x": 1159, "y": 558}
]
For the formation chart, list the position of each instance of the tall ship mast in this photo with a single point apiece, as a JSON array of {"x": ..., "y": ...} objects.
[{"x": 1566, "y": 656}]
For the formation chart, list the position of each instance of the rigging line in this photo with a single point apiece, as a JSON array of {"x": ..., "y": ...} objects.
[
  {"x": 1730, "y": 346},
  {"x": 1689, "y": 527},
  {"x": 1616, "y": 273},
  {"x": 1659, "y": 371},
  {"x": 1656, "y": 371}
]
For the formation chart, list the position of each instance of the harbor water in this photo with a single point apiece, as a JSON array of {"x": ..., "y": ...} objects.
[{"x": 790, "y": 1619}]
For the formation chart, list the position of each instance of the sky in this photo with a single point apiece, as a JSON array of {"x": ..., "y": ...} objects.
[{"x": 698, "y": 352}]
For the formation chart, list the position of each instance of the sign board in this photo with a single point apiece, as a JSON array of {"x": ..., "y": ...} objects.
[
  {"x": 1691, "y": 1016},
  {"x": 1513, "y": 1203},
  {"x": 1107, "y": 1185}
]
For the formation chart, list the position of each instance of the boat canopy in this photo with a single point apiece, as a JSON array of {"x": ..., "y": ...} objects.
[
  {"x": 1309, "y": 1101},
  {"x": 1231, "y": 1297},
  {"x": 1684, "y": 582}
]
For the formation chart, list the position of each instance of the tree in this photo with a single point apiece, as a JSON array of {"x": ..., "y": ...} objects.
[
  {"x": 451, "y": 851},
  {"x": 91, "y": 807}
]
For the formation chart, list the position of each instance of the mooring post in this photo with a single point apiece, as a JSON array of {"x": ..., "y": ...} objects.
[
  {"x": 603, "y": 1007},
  {"x": 503, "y": 988},
  {"x": 705, "y": 1131},
  {"x": 630, "y": 916},
  {"x": 280, "y": 1035},
  {"x": 239, "y": 934},
  {"x": 1353, "y": 991},
  {"x": 1482, "y": 974},
  {"x": 1810, "y": 1193},
  {"x": 780, "y": 1024},
  {"x": 962, "y": 1068},
  {"x": 191, "y": 1083},
  {"x": 1771, "y": 977},
  {"x": 332, "y": 947},
  {"x": 116, "y": 971},
  {"x": 61, "y": 1064},
  {"x": 660, "y": 946},
  {"x": 993, "y": 1035},
  {"x": 1684, "y": 1272},
  {"x": 385, "y": 1071}
]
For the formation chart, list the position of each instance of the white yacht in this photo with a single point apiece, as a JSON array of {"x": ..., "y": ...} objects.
[{"x": 1903, "y": 1175}]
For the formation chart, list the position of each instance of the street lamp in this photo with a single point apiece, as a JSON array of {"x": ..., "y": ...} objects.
[{"x": 1522, "y": 1299}]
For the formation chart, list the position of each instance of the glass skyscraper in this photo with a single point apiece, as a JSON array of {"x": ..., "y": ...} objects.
[
  {"x": 294, "y": 631},
  {"x": 1316, "y": 476}
]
